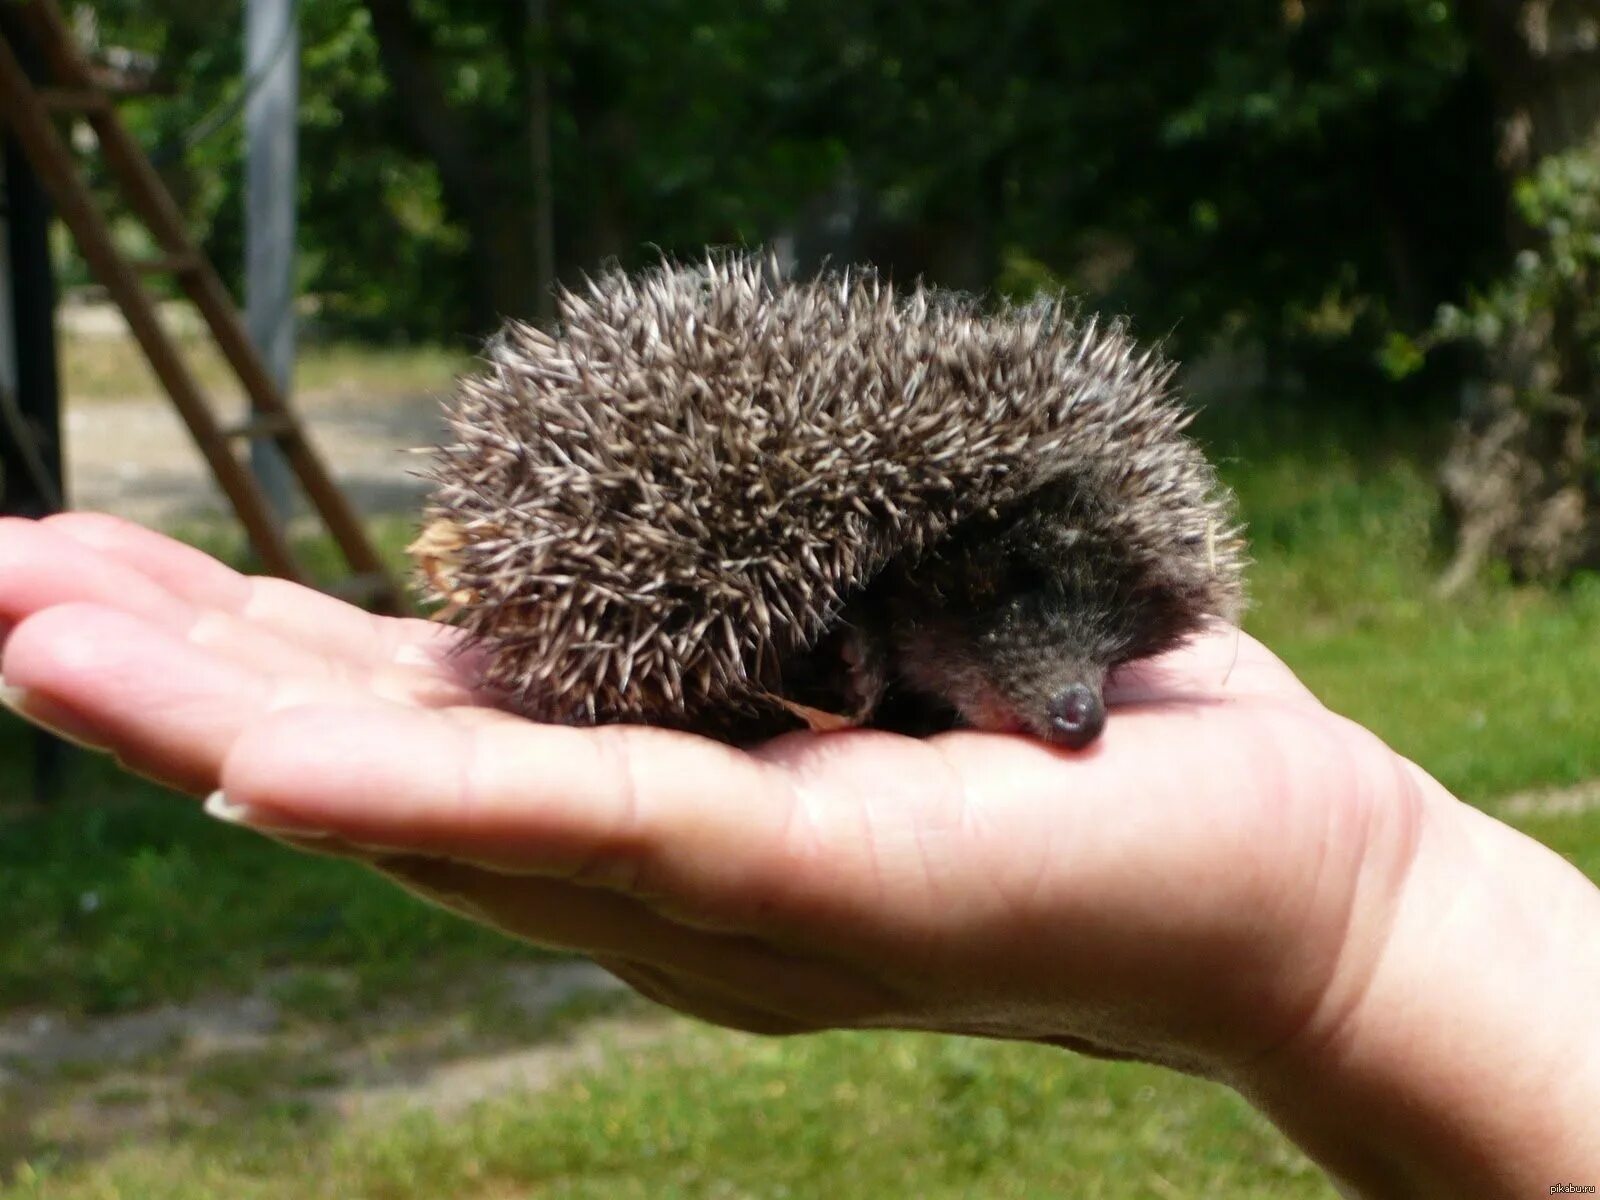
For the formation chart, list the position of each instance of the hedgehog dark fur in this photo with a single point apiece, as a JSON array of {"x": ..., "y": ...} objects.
[{"x": 717, "y": 498}]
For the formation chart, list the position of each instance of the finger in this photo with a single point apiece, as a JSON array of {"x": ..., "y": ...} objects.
[
  {"x": 181, "y": 569},
  {"x": 315, "y": 621},
  {"x": 41, "y": 566},
  {"x": 852, "y": 840},
  {"x": 597, "y": 921},
  {"x": 659, "y": 986},
  {"x": 460, "y": 791},
  {"x": 735, "y": 970},
  {"x": 167, "y": 708},
  {"x": 712, "y": 836},
  {"x": 547, "y": 912},
  {"x": 301, "y": 616},
  {"x": 706, "y": 834}
]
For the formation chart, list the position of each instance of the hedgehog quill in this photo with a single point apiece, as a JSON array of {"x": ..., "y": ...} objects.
[{"x": 731, "y": 503}]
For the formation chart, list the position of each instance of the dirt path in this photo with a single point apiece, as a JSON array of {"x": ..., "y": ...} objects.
[
  {"x": 72, "y": 1089},
  {"x": 135, "y": 458},
  {"x": 1551, "y": 802}
]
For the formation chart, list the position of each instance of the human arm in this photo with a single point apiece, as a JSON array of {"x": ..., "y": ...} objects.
[{"x": 1234, "y": 881}]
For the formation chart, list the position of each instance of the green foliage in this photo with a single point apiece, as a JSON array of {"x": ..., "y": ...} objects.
[
  {"x": 1306, "y": 172},
  {"x": 1538, "y": 325},
  {"x": 376, "y": 248},
  {"x": 1315, "y": 177},
  {"x": 379, "y": 249},
  {"x": 1490, "y": 691},
  {"x": 1557, "y": 275}
]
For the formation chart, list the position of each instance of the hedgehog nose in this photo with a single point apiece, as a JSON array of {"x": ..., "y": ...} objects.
[{"x": 1077, "y": 715}]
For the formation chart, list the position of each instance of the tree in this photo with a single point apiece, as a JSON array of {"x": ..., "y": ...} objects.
[
  {"x": 485, "y": 181},
  {"x": 1268, "y": 169},
  {"x": 1522, "y": 480}
]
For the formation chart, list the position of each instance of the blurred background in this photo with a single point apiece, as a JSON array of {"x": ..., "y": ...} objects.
[{"x": 1370, "y": 229}]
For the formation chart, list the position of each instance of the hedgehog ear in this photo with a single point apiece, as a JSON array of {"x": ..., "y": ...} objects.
[
  {"x": 1165, "y": 592},
  {"x": 1066, "y": 538},
  {"x": 1154, "y": 578}
]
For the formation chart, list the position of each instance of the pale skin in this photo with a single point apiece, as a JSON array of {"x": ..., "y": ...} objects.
[{"x": 1233, "y": 881}]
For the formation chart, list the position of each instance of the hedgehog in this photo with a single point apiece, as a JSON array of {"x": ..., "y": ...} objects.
[{"x": 723, "y": 500}]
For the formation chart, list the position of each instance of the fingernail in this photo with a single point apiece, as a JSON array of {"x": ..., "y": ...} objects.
[
  {"x": 45, "y": 716},
  {"x": 249, "y": 817},
  {"x": 11, "y": 697},
  {"x": 311, "y": 841}
]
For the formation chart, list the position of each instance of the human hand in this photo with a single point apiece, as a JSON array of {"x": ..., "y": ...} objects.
[{"x": 1232, "y": 881}]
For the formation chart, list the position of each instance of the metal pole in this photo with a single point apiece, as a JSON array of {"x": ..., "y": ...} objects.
[
  {"x": 30, "y": 424},
  {"x": 272, "y": 73},
  {"x": 544, "y": 238}
]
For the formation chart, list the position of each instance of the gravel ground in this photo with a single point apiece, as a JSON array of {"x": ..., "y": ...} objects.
[
  {"x": 135, "y": 458},
  {"x": 74, "y": 1088}
]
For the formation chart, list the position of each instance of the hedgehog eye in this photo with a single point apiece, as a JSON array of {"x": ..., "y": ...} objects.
[
  {"x": 983, "y": 589},
  {"x": 1028, "y": 578}
]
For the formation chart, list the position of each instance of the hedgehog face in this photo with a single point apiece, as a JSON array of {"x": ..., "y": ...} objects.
[{"x": 1015, "y": 621}]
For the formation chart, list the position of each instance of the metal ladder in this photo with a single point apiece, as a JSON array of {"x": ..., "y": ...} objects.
[{"x": 74, "y": 87}]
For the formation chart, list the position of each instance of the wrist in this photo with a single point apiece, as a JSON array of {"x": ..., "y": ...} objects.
[{"x": 1464, "y": 1060}]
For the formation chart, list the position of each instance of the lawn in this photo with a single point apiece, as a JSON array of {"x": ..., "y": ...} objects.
[
  {"x": 108, "y": 366},
  {"x": 120, "y": 897}
]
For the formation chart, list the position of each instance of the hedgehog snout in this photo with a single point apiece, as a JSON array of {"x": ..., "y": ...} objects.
[{"x": 1076, "y": 716}]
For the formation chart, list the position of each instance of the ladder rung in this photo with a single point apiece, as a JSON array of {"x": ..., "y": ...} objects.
[
  {"x": 167, "y": 264},
  {"x": 362, "y": 589},
  {"x": 24, "y": 111},
  {"x": 264, "y": 425},
  {"x": 84, "y": 100}
]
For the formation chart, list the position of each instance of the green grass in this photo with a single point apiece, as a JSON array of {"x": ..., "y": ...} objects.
[
  {"x": 1491, "y": 691},
  {"x": 710, "y": 1114},
  {"x": 121, "y": 896},
  {"x": 110, "y": 367}
]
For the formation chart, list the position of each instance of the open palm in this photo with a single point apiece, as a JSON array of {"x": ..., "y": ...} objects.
[
  {"x": 1233, "y": 880},
  {"x": 1183, "y": 892}
]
